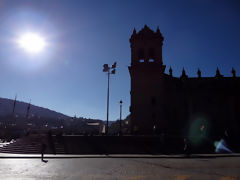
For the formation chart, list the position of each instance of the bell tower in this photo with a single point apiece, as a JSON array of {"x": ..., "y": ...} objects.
[
  {"x": 145, "y": 71},
  {"x": 146, "y": 47}
]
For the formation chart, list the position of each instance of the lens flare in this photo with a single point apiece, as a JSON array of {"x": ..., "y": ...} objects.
[
  {"x": 198, "y": 131},
  {"x": 221, "y": 147}
]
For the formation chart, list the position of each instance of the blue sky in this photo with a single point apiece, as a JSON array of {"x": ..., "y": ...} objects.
[{"x": 83, "y": 35}]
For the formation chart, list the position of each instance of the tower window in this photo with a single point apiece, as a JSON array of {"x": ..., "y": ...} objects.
[
  {"x": 141, "y": 53},
  {"x": 141, "y": 60},
  {"x": 151, "y": 60},
  {"x": 151, "y": 53}
]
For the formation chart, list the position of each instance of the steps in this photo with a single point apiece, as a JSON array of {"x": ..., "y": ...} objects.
[{"x": 32, "y": 145}]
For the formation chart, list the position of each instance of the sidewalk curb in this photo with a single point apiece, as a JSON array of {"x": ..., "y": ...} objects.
[{"x": 65, "y": 156}]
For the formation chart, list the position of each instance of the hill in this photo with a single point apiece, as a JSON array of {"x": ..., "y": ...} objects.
[{"x": 6, "y": 108}]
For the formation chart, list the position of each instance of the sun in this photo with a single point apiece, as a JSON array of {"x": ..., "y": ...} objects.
[{"x": 32, "y": 43}]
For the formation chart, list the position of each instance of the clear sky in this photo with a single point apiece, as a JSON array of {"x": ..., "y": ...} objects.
[{"x": 81, "y": 36}]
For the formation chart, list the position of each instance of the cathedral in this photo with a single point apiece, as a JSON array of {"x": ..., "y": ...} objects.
[{"x": 178, "y": 106}]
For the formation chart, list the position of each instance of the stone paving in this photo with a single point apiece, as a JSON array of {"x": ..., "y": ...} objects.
[{"x": 119, "y": 167}]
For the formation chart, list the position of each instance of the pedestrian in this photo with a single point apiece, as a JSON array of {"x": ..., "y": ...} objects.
[
  {"x": 43, "y": 148},
  {"x": 187, "y": 147}
]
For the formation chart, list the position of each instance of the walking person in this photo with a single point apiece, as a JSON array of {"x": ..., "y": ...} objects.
[
  {"x": 43, "y": 148},
  {"x": 187, "y": 147}
]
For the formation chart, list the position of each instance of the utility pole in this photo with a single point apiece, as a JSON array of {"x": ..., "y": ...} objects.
[
  {"x": 109, "y": 70},
  {"x": 120, "y": 121},
  {"x": 14, "y": 105},
  {"x": 28, "y": 109}
]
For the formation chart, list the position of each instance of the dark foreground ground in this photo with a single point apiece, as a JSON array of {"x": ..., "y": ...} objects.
[{"x": 119, "y": 167}]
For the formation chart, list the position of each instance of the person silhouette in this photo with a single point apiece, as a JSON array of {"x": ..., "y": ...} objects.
[
  {"x": 187, "y": 147},
  {"x": 43, "y": 148}
]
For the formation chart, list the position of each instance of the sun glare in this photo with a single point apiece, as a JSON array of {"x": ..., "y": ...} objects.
[{"x": 32, "y": 43}]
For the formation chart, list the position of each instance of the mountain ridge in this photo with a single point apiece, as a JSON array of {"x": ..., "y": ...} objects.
[{"x": 6, "y": 108}]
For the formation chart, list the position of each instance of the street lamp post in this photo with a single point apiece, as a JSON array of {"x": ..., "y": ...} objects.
[
  {"x": 120, "y": 121},
  {"x": 109, "y": 70}
]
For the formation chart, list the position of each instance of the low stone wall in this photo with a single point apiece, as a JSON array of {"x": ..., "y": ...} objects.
[
  {"x": 128, "y": 145},
  {"x": 69, "y": 144}
]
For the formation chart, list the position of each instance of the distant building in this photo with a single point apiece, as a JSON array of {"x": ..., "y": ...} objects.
[{"x": 161, "y": 103}]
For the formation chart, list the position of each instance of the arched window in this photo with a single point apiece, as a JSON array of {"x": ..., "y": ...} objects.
[
  {"x": 151, "y": 53},
  {"x": 141, "y": 53}
]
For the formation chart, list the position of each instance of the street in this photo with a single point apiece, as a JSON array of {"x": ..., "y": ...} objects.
[{"x": 96, "y": 168}]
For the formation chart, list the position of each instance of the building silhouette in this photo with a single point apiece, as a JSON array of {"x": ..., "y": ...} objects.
[{"x": 161, "y": 103}]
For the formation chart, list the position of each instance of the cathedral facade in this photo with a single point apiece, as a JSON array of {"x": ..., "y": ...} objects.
[{"x": 162, "y": 103}]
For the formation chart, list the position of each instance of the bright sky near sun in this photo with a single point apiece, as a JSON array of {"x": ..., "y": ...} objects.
[
  {"x": 52, "y": 52},
  {"x": 32, "y": 43}
]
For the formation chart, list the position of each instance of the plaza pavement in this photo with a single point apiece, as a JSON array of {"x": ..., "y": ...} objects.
[{"x": 120, "y": 167}]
